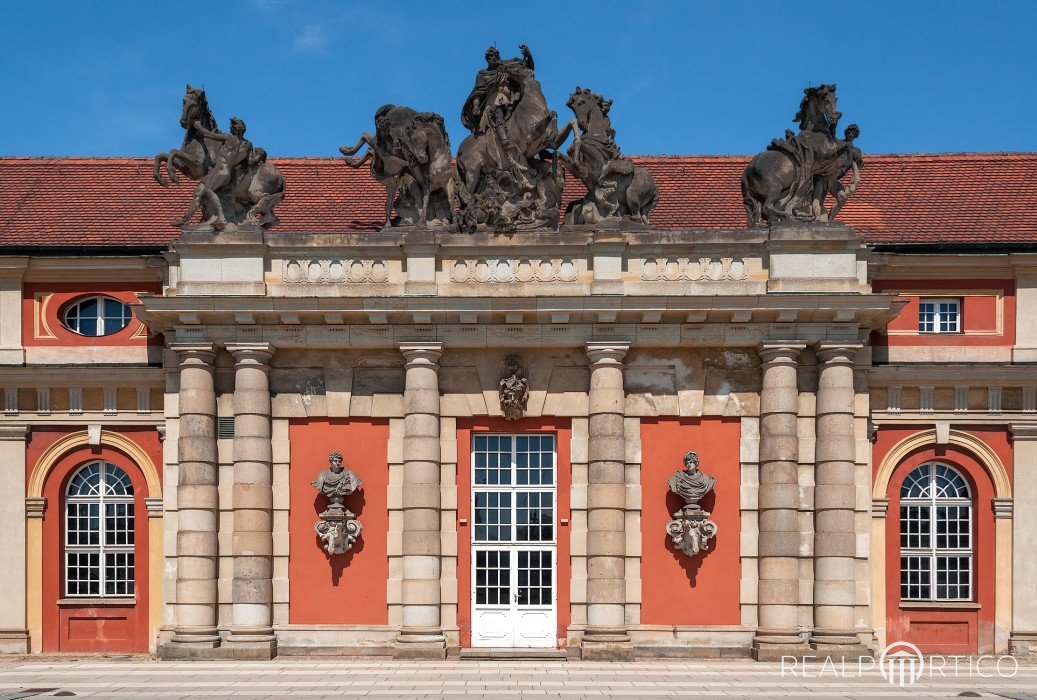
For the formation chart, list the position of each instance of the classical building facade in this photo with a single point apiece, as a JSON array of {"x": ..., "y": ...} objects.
[{"x": 513, "y": 407}]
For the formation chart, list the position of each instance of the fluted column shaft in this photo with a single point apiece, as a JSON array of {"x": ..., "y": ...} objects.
[
  {"x": 606, "y": 499},
  {"x": 778, "y": 502},
  {"x": 422, "y": 627},
  {"x": 252, "y": 589},
  {"x": 197, "y": 499},
  {"x": 835, "y": 538}
]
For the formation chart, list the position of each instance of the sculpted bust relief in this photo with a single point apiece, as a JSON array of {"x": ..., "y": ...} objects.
[
  {"x": 338, "y": 528},
  {"x": 336, "y": 481},
  {"x": 691, "y": 484},
  {"x": 691, "y": 529}
]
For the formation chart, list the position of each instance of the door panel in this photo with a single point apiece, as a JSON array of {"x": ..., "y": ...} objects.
[{"x": 514, "y": 601}]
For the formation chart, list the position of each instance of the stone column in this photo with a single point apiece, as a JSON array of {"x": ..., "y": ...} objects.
[
  {"x": 251, "y": 633},
  {"x": 1023, "y": 640},
  {"x": 778, "y": 632},
  {"x": 606, "y": 634},
  {"x": 197, "y": 505},
  {"x": 421, "y": 634},
  {"x": 835, "y": 537},
  {"x": 14, "y": 632}
]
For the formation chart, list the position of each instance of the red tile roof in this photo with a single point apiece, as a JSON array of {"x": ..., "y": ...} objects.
[{"x": 947, "y": 198}]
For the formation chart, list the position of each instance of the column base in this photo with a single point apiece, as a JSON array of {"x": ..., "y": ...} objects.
[
  {"x": 191, "y": 643},
  {"x": 14, "y": 641},
  {"x": 774, "y": 645},
  {"x": 420, "y": 644},
  {"x": 249, "y": 644},
  {"x": 841, "y": 645},
  {"x": 606, "y": 644},
  {"x": 1022, "y": 643}
]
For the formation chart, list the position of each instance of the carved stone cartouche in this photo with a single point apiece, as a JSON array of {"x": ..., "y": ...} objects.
[
  {"x": 410, "y": 156},
  {"x": 514, "y": 388},
  {"x": 338, "y": 528},
  {"x": 691, "y": 529},
  {"x": 506, "y": 183},
  {"x": 617, "y": 190},
  {"x": 791, "y": 179},
  {"x": 236, "y": 183}
]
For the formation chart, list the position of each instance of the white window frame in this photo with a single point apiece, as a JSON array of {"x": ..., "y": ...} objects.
[
  {"x": 933, "y": 552},
  {"x": 102, "y": 548},
  {"x": 99, "y": 316},
  {"x": 945, "y": 315},
  {"x": 514, "y": 545}
]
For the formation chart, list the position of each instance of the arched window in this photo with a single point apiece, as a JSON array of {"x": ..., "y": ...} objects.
[
  {"x": 97, "y": 316},
  {"x": 935, "y": 535},
  {"x": 99, "y": 532}
]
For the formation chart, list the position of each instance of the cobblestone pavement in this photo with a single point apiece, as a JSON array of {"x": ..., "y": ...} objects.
[{"x": 444, "y": 679}]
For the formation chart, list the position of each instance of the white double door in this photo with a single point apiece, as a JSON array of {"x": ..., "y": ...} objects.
[{"x": 514, "y": 550}]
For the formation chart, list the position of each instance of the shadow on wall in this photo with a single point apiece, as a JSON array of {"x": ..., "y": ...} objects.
[
  {"x": 691, "y": 565},
  {"x": 355, "y": 503}
]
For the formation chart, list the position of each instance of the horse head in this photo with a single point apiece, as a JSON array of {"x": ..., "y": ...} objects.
[
  {"x": 592, "y": 111},
  {"x": 817, "y": 110},
  {"x": 196, "y": 108}
]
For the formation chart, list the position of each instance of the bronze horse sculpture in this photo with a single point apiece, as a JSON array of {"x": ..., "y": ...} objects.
[
  {"x": 250, "y": 187},
  {"x": 616, "y": 188},
  {"x": 790, "y": 179},
  {"x": 410, "y": 150}
]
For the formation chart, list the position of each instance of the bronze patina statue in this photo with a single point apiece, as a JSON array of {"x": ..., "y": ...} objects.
[
  {"x": 617, "y": 190},
  {"x": 236, "y": 184},
  {"x": 508, "y": 180},
  {"x": 410, "y": 156},
  {"x": 790, "y": 180}
]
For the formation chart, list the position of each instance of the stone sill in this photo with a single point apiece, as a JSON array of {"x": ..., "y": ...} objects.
[
  {"x": 950, "y": 605},
  {"x": 127, "y": 602}
]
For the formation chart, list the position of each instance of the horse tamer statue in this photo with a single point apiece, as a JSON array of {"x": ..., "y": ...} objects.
[
  {"x": 792, "y": 178},
  {"x": 236, "y": 183}
]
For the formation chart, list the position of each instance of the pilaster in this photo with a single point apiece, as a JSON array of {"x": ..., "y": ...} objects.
[
  {"x": 14, "y": 632},
  {"x": 1023, "y": 639}
]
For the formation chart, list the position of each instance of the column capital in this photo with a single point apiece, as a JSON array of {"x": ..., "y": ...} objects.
[
  {"x": 426, "y": 354},
  {"x": 607, "y": 352},
  {"x": 196, "y": 353},
  {"x": 13, "y": 433},
  {"x": 1023, "y": 432},
  {"x": 257, "y": 354},
  {"x": 781, "y": 351},
  {"x": 837, "y": 353}
]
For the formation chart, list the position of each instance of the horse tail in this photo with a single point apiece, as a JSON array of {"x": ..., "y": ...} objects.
[{"x": 753, "y": 210}]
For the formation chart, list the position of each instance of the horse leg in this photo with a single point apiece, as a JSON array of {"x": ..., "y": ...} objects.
[
  {"x": 426, "y": 191},
  {"x": 263, "y": 208},
  {"x": 160, "y": 158},
  {"x": 171, "y": 165},
  {"x": 196, "y": 201},
  {"x": 390, "y": 196}
]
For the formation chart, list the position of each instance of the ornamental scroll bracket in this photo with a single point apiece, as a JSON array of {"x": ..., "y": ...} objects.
[
  {"x": 691, "y": 529},
  {"x": 338, "y": 528}
]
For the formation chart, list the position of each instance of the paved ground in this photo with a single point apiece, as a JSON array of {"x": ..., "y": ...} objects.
[{"x": 345, "y": 679}]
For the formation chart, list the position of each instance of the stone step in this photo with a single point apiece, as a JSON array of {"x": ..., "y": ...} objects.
[{"x": 512, "y": 653}]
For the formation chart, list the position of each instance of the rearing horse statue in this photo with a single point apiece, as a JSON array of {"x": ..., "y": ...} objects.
[
  {"x": 784, "y": 182},
  {"x": 197, "y": 153}
]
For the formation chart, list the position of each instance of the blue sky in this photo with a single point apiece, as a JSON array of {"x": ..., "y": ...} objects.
[{"x": 107, "y": 78}]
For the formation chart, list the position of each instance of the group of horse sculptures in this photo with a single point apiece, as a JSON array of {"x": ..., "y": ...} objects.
[{"x": 509, "y": 172}]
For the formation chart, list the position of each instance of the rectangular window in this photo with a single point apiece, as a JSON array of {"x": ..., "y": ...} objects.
[{"x": 939, "y": 316}]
